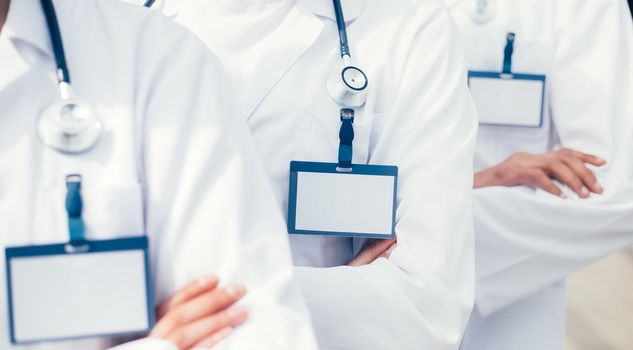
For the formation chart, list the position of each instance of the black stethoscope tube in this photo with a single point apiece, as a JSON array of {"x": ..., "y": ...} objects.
[
  {"x": 340, "y": 23},
  {"x": 63, "y": 75}
]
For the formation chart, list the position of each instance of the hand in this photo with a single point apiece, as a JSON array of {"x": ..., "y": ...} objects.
[
  {"x": 372, "y": 250},
  {"x": 565, "y": 165},
  {"x": 198, "y": 315}
]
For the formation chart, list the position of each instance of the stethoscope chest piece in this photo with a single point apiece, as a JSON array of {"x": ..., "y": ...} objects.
[
  {"x": 69, "y": 126},
  {"x": 348, "y": 86}
]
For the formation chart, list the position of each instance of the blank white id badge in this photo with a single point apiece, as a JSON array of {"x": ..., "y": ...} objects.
[
  {"x": 356, "y": 203},
  {"x": 508, "y": 99},
  {"x": 65, "y": 291}
]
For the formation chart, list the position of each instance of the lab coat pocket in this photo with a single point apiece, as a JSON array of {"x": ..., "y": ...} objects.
[
  {"x": 113, "y": 211},
  {"x": 318, "y": 137}
]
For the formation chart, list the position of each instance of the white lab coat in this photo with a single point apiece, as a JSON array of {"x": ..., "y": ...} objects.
[
  {"x": 173, "y": 161},
  {"x": 528, "y": 241},
  {"x": 418, "y": 116}
]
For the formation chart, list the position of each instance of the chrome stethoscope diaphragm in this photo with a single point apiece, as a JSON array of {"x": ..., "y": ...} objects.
[
  {"x": 347, "y": 85},
  {"x": 69, "y": 125}
]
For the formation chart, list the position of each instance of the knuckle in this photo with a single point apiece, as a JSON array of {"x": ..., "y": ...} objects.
[
  {"x": 551, "y": 161},
  {"x": 587, "y": 175},
  {"x": 565, "y": 151},
  {"x": 224, "y": 319},
  {"x": 220, "y": 299},
  {"x": 575, "y": 183},
  {"x": 226, "y": 296}
]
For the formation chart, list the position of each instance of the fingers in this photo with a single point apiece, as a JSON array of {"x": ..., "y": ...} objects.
[
  {"x": 213, "y": 339},
  {"x": 539, "y": 179},
  {"x": 210, "y": 329},
  {"x": 204, "y": 305},
  {"x": 588, "y": 158},
  {"x": 371, "y": 251},
  {"x": 568, "y": 166},
  {"x": 564, "y": 174},
  {"x": 388, "y": 252},
  {"x": 585, "y": 175},
  {"x": 190, "y": 291}
]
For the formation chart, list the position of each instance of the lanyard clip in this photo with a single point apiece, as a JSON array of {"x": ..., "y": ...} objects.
[
  {"x": 74, "y": 208},
  {"x": 347, "y": 114},
  {"x": 346, "y": 138},
  {"x": 507, "y": 53}
]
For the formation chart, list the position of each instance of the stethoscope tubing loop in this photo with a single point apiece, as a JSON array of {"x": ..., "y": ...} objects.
[{"x": 69, "y": 125}]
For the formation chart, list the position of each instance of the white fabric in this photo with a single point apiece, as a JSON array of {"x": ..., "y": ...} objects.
[
  {"x": 173, "y": 161},
  {"x": 536, "y": 321},
  {"x": 146, "y": 344},
  {"x": 528, "y": 241},
  {"x": 418, "y": 116}
]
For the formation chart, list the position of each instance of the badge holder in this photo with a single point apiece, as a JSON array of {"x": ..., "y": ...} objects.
[
  {"x": 79, "y": 289},
  {"x": 507, "y": 98},
  {"x": 342, "y": 199}
]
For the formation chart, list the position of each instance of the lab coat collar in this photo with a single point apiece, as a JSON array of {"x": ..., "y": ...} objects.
[
  {"x": 290, "y": 45},
  {"x": 324, "y": 8},
  {"x": 26, "y": 23}
]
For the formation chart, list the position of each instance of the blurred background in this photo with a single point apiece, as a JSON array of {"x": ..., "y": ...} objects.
[{"x": 600, "y": 305}]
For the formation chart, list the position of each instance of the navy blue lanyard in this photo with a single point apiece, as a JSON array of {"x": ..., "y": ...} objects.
[
  {"x": 149, "y": 3},
  {"x": 74, "y": 208},
  {"x": 63, "y": 75},
  {"x": 507, "y": 53},
  {"x": 346, "y": 139},
  {"x": 346, "y": 133}
]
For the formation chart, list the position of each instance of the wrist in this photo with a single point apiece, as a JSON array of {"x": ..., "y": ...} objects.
[{"x": 486, "y": 178}]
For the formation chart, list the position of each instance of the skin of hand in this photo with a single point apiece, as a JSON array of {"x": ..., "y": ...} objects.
[
  {"x": 374, "y": 249},
  {"x": 200, "y": 314},
  {"x": 538, "y": 170}
]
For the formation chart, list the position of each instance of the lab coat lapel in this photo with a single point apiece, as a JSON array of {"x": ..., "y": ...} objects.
[
  {"x": 13, "y": 64},
  {"x": 294, "y": 36},
  {"x": 25, "y": 26}
]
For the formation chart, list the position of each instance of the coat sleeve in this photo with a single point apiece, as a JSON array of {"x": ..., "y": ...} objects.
[
  {"x": 526, "y": 240},
  {"x": 209, "y": 208},
  {"x": 420, "y": 297}
]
